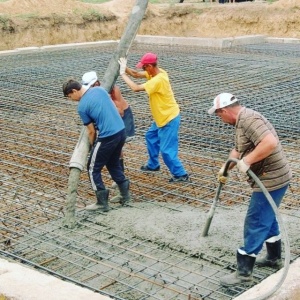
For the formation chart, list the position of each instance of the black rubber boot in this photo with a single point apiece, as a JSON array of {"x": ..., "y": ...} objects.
[
  {"x": 243, "y": 274},
  {"x": 124, "y": 191},
  {"x": 102, "y": 197},
  {"x": 102, "y": 201},
  {"x": 273, "y": 257}
]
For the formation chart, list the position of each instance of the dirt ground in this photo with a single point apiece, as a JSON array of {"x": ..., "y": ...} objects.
[{"x": 42, "y": 22}]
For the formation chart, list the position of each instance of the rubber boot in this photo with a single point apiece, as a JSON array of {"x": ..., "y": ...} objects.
[
  {"x": 243, "y": 274},
  {"x": 102, "y": 201},
  {"x": 124, "y": 191},
  {"x": 273, "y": 257},
  {"x": 118, "y": 197}
]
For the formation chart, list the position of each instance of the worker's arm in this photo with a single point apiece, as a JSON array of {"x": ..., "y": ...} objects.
[
  {"x": 91, "y": 131},
  {"x": 262, "y": 150},
  {"x": 135, "y": 87},
  {"x": 124, "y": 69},
  {"x": 265, "y": 148},
  {"x": 135, "y": 74}
]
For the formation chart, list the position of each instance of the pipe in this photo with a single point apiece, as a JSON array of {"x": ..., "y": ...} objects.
[
  {"x": 136, "y": 17},
  {"x": 80, "y": 153},
  {"x": 214, "y": 204},
  {"x": 279, "y": 219},
  {"x": 78, "y": 159}
]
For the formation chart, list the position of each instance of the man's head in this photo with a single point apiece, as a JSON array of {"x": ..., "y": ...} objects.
[
  {"x": 225, "y": 106},
  {"x": 90, "y": 79},
  {"x": 72, "y": 90},
  {"x": 221, "y": 101},
  {"x": 148, "y": 60}
]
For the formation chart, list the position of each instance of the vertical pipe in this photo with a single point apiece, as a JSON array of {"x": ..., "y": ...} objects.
[
  {"x": 136, "y": 17},
  {"x": 77, "y": 164},
  {"x": 80, "y": 153}
]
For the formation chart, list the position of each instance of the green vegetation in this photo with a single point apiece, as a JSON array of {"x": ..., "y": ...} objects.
[
  {"x": 29, "y": 16},
  {"x": 93, "y": 1},
  {"x": 4, "y": 20},
  {"x": 150, "y": 1},
  {"x": 93, "y": 15}
]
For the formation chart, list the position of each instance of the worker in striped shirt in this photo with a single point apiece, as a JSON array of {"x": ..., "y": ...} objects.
[{"x": 258, "y": 148}]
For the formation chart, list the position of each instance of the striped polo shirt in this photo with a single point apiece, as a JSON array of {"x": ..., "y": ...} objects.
[{"x": 273, "y": 171}]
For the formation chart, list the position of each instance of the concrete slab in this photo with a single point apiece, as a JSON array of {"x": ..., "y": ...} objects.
[
  {"x": 248, "y": 39},
  {"x": 168, "y": 40},
  {"x": 8, "y": 52},
  {"x": 202, "y": 42},
  {"x": 27, "y": 49},
  {"x": 79, "y": 45},
  {"x": 291, "y": 41},
  {"x": 193, "y": 41},
  {"x": 22, "y": 283},
  {"x": 282, "y": 40}
]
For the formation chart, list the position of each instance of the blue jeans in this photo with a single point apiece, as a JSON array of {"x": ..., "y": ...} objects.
[
  {"x": 106, "y": 152},
  {"x": 260, "y": 223},
  {"x": 165, "y": 140}
]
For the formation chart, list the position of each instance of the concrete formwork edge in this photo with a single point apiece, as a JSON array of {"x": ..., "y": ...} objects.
[
  {"x": 19, "y": 282},
  {"x": 203, "y": 42},
  {"x": 167, "y": 40},
  {"x": 282, "y": 40}
]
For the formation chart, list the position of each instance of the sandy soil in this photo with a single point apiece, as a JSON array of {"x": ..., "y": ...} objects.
[{"x": 42, "y": 22}]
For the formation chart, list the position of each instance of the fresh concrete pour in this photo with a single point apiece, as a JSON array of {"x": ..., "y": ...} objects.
[{"x": 176, "y": 230}]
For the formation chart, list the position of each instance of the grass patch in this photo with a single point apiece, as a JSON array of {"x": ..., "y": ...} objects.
[
  {"x": 93, "y": 15},
  {"x": 94, "y": 1},
  {"x": 4, "y": 21},
  {"x": 28, "y": 16}
]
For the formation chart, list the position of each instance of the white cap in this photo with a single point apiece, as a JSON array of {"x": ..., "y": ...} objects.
[
  {"x": 222, "y": 100},
  {"x": 89, "y": 79}
]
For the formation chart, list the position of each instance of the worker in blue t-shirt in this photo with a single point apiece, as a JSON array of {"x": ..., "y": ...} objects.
[{"x": 96, "y": 110}]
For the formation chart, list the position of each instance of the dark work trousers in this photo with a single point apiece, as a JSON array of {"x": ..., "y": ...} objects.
[
  {"x": 106, "y": 152},
  {"x": 260, "y": 222}
]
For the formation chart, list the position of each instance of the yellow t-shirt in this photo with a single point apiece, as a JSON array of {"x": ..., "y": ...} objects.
[{"x": 163, "y": 105}]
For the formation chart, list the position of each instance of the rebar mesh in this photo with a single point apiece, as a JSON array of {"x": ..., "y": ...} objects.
[{"x": 39, "y": 130}]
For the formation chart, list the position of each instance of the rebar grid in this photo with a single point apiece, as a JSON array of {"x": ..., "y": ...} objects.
[{"x": 40, "y": 129}]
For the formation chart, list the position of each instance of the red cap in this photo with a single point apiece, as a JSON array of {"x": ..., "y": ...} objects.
[{"x": 148, "y": 58}]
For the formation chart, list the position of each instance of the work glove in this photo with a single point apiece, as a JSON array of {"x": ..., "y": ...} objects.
[
  {"x": 242, "y": 166},
  {"x": 221, "y": 177},
  {"x": 123, "y": 64}
]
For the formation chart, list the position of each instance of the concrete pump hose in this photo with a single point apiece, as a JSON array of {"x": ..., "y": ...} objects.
[{"x": 283, "y": 231}]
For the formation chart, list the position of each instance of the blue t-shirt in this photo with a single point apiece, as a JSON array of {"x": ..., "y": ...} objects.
[{"x": 96, "y": 107}]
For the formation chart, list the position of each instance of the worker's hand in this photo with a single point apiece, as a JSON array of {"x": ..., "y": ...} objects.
[
  {"x": 242, "y": 166},
  {"x": 123, "y": 64},
  {"x": 221, "y": 177}
]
